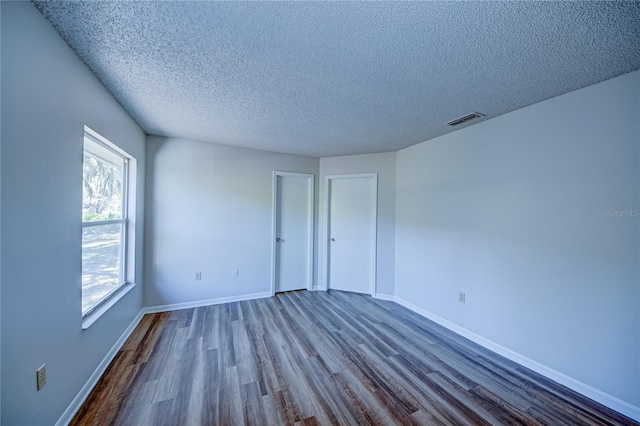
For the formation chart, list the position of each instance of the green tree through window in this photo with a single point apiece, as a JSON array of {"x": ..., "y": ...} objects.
[{"x": 104, "y": 223}]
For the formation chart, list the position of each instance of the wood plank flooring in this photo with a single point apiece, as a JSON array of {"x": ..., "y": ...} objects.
[{"x": 308, "y": 358}]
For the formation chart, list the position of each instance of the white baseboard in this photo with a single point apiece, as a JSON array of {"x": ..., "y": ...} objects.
[
  {"x": 597, "y": 395},
  {"x": 603, "y": 398},
  {"x": 77, "y": 402},
  {"x": 207, "y": 302},
  {"x": 388, "y": 297},
  {"x": 82, "y": 396}
]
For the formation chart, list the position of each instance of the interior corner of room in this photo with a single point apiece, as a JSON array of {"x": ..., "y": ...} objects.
[{"x": 519, "y": 233}]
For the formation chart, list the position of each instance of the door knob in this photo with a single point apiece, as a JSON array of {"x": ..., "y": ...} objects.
[
  {"x": 279, "y": 239},
  {"x": 333, "y": 239}
]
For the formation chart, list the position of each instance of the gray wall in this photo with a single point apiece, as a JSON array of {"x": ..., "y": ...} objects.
[
  {"x": 48, "y": 95},
  {"x": 513, "y": 211},
  {"x": 385, "y": 165},
  {"x": 209, "y": 210}
]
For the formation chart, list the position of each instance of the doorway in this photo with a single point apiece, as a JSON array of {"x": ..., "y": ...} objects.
[
  {"x": 350, "y": 232},
  {"x": 292, "y": 259}
]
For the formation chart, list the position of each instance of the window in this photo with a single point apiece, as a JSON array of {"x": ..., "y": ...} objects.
[{"x": 104, "y": 221}]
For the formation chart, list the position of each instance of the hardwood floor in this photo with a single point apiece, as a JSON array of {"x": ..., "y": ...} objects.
[{"x": 324, "y": 358}]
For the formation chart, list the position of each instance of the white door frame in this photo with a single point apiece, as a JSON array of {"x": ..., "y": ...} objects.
[
  {"x": 325, "y": 236},
  {"x": 274, "y": 226}
]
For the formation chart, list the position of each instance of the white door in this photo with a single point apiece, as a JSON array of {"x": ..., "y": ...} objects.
[
  {"x": 293, "y": 226},
  {"x": 352, "y": 206}
]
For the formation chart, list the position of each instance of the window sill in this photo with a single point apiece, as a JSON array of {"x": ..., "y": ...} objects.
[{"x": 93, "y": 316}]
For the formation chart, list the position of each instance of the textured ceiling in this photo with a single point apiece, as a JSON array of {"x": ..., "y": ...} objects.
[{"x": 336, "y": 78}]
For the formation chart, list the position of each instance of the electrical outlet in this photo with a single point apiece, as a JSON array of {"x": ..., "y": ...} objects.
[
  {"x": 462, "y": 297},
  {"x": 198, "y": 276},
  {"x": 41, "y": 376},
  {"x": 235, "y": 273}
]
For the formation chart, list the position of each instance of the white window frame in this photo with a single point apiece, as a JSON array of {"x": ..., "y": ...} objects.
[{"x": 129, "y": 166}]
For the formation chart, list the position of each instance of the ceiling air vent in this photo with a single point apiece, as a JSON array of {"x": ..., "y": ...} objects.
[{"x": 465, "y": 118}]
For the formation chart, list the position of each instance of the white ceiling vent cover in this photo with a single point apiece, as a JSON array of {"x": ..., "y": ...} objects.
[{"x": 464, "y": 118}]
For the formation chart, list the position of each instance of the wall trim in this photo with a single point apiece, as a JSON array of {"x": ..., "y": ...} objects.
[
  {"x": 82, "y": 396},
  {"x": 584, "y": 389},
  {"x": 388, "y": 297},
  {"x": 94, "y": 316},
  {"x": 207, "y": 302}
]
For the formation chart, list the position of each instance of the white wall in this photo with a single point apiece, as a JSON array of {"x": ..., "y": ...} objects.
[
  {"x": 385, "y": 165},
  {"x": 209, "y": 210},
  {"x": 512, "y": 211},
  {"x": 48, "y": 95}
]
